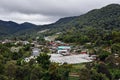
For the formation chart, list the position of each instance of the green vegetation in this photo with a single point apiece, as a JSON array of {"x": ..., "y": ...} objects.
[
  {"x": 13, "y": 66},
  {"x": 77, "y": 67},
  {"x": 73, "y": 78}
]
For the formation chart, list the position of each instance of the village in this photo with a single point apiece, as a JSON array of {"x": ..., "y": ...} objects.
[{"x": 60, "y": 52}]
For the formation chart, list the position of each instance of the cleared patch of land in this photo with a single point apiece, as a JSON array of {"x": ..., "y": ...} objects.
[{"x": 72, "y": 59}]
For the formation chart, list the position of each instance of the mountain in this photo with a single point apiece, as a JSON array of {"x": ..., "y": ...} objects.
[
  {"x": 107, "y": 18},
  {"x": 27, "y": 25},
  {"x": 10, "y": 27},
  {"x": 7, "y": 27},
  {"x": 95, "y": 26}
]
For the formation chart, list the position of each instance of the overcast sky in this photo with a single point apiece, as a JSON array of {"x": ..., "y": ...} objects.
[{"x": 47, "y": 11}]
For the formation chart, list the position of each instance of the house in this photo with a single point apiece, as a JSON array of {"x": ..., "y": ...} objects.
[
  {"x": 35, "y": 52},
  {"x": 85, "y": 51},
  {"x": 94, "y": 57},
  {"x": 64, "y": 50},
  {"x": 25, "y": 42}
]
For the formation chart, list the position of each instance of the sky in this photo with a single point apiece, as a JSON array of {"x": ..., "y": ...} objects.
[{"x": 47, "y": 11}]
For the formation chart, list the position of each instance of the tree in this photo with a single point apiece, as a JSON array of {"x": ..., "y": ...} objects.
[
  {"x": 45, "y": 50},
  {"x": 102, "y": 68},
  {"x": 20, "y": 73},
  {"x": 84, "y": 74},
  {"x": 16, "y": 55},
  {"x": 1, "y": 68},
  {"x": 26, "y": 47},
  {"x": 43, "y": 60},
  {"x": 103, "y": 54},
  {"x": 98, "y": 76},
  {"x": 116, "y": 36},
  {"x": 36, "y": 73},
  {"x": 53, "y": 71},
  {"x": 10, "y": 68},
  {"x": 115, "y": 74},
  {"x": 115, "y": 49},
  {"x": 65, "y": 70}
]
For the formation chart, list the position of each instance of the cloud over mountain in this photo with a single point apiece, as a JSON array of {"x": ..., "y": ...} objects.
[{"x": 47, "y": 11}]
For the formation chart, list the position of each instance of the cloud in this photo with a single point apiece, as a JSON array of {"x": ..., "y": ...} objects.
[
  {"x": 33, "y": 18},
  {"x": 47, "y": 11}
]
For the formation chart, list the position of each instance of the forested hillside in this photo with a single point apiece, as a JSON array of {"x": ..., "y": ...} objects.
[
  {"x": 9, "y": 28},
  {"x": 97, "y": 24},
  {"x": 106, "y": 18}
]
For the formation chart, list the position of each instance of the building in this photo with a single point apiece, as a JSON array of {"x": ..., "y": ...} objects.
[
  {"x": 25, "y": 42},
  {"x": 15, "y": 49},
  {"x": 84, "y": 51},
  {"x": 35, "y": 52},
  {"x": 64, "y": 50}
]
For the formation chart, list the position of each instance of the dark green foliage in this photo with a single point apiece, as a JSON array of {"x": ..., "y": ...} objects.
[
  {"x": 36, "y": 73},
  {"x": 16, "y": 55},
  {"x": 8, "y": 28},
  {"x": 5, "y": 52},
  {"x": 102, "y": 68},
  {"x": 103, "y": 54},
  {"x": 98, "y": 76},
  {"x": 84, "y": 74},
  {"x": 20, "y": 73},
  {"x": 64, "y": 71},
  {"x": 115, "y": 73},
  {"x": 43, "y": 60},
  {"x": 27, "y": 47},
  {"x": 116, "y": 48},
  {"x": 1, "y": 68},
  {"x": 10, "y": 69}
]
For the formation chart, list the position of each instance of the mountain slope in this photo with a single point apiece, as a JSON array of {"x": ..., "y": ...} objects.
[
  {"x": 95, "y": 26},
  {"x": 9, "y": 27},
  {"x": 107, "y": 18}
]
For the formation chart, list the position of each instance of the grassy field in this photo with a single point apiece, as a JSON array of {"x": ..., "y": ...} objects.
[
  {"x": 76, "y": 67},
  {"x": 74, "y": 74},
  {"x": 73, "y": 78}
]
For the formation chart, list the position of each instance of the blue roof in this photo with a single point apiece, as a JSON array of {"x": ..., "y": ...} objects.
[{"x": 64, "y": 47}]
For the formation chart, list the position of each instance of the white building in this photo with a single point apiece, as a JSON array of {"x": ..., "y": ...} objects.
[
  {"x": 25, "y": 42},
  {"x": 35, "y": 52},
  {"x": 64, "y": 50}
]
